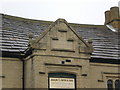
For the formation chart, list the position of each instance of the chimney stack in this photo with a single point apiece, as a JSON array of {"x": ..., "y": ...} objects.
[
  {"x": 107, "y": 17},
  {"x": 112, "y": 17},
  {"x": 114, "y": 13}
]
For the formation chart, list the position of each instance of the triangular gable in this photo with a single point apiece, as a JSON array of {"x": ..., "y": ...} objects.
[{"x": 63, "y": 37}]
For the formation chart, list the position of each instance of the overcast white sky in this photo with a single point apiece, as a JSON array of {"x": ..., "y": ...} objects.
[{"x": 74, "y": 11}]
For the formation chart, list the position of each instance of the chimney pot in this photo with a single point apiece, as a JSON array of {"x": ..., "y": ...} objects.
[
  {"x": 114, "y": 13},
  {"x": 112, "y": 18},
  {"x": 107, "y": 17}
]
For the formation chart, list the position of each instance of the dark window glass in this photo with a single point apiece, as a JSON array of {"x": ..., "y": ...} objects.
[
  {"x": 110, "y": 84},
  {"x": 117, "y": 85}
]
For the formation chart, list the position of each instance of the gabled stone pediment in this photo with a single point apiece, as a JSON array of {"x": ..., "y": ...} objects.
[{"x": 60, "y": 36}]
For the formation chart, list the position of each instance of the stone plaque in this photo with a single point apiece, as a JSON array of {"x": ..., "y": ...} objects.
[{"x": 66, "y": 83}]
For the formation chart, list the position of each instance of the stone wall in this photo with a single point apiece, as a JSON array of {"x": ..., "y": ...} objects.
[
  {"x": 12, "y": 73},
  {"x": 100, "y": 73},
  {"x": 88, "y": 75}
]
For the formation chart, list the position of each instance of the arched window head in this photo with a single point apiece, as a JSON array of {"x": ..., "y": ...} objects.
[
  {"x": 117, "y": 84},
  {"x": 110, "y": 84}
]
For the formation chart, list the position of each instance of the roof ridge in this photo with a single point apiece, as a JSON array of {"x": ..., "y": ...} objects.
[
  {"x": 24, "y": 19},
  {"x": 45, "y": 21}
]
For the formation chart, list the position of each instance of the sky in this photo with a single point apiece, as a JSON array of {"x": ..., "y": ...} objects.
[{"x": 74, "y": 11}]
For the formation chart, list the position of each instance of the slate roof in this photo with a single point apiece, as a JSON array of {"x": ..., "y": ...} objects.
[{"x": 14, "y": 33}]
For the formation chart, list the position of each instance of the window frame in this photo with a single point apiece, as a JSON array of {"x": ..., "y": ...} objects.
[
  {"x": 110, "y": 84},
  {"x": 117, "y": 87}
]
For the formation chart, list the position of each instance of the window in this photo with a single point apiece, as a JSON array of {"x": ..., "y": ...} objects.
[
  {"x": 117, "y": 84},
  {"x": 110, "y": 84}
]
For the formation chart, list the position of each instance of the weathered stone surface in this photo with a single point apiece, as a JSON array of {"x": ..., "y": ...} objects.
[
  {"x": 15, "y": 31},
  {"x": 57, "y": 47},
  {"x": 12, "y": 72}
]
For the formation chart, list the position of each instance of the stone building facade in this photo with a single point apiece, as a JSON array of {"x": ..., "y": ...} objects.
[{"x": 60, "y": 55}]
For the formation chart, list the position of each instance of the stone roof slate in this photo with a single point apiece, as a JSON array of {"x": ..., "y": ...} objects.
[{"x": 15, "y": 30}]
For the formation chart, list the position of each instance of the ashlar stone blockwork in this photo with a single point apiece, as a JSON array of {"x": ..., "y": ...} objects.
[
  {"x": 58, "y": 49},
  {"x": 61, "y": 37}
]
